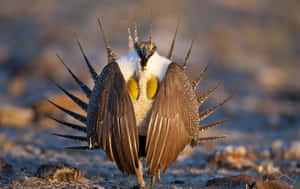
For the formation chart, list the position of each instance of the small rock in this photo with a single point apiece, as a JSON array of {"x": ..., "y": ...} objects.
[
  {"x": 248, "y": 181},
  {"x": 277, "y": 150},
  {"x": 178, "y": 182},
  {"x": 16, "y": 116},
  {"x": 277, "y": 144},
  {"x": 32, "y": 182},
  {"x": 58, "y": 171},
  {"x": 5, "y": 143},
  {"x": 265, "y": 153},
  {"x": 6, "y": 170},
  {"x": 232, "y": 181},
  {"x": 17, "y": 86},
  {"x": 268, "y": 168},
  {"x": 33, "y": 150},
  {"x": 235, "y": 157},
  {"x": 294, "y": 151}
]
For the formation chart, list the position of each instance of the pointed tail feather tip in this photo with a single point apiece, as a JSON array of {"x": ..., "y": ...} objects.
[
  {"x": 202, "y": 128},
  {"x": 188, "y": 55},
  {"x": 150, "y": 33},
  {"x": 111, "y": 55},
  {"x": 170, "y": 54},
  {"x": 87, "y": 91},
  {"x": 77, "y": 148},
  {"x": 90, "y": 67},
  {"x": 69, "y": 112},
  {"x": 72, "y": 137},
  {"x": 136, "y": 37},
  {"x": 74, "y": 98},
  {"x": 209, "y": 111},
  {"x": 70, "y": 125},
  {"x": 196, "y": 82},
  {"x": 204, "y": 97},
  {"x": 130, "y": 40},
  {"x": 206, "y": 139}
]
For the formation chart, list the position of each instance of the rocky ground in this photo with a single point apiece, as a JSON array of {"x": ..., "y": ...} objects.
[{"x": 252, "y": 46}]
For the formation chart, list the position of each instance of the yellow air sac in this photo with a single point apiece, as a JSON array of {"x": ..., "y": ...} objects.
[
  {"x": 133, "y": 88},
  {"x": 152, "y": 86}
]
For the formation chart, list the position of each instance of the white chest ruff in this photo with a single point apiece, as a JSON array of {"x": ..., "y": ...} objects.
[
  {"x": 157, "y": 66},
  {"x": 142, "y": 105}
]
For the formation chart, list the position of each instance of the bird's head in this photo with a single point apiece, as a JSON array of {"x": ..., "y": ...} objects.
[{"x": 145, "y": 50}]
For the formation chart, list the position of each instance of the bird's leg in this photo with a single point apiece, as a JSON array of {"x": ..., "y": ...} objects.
[
  {"x": 152, "y": 177},
  {"x": 158, "y": 175},
  {"x": 152, "y": 180},
  {"x": 139, "y": 174}
]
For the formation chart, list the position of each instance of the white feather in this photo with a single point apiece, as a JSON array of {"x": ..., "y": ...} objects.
[
  {"x": 157, "y": 65},
  {"x": 129, "y": 64}
]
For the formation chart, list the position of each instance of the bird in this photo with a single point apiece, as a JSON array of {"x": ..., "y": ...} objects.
[{"x": 142, "y": 105}]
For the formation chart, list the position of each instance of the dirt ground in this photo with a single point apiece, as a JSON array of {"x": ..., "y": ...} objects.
[{"x": 251, "y": 46}]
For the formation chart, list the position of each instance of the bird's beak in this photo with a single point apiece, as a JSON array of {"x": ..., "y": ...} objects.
[{"x": 144, "y": 52}]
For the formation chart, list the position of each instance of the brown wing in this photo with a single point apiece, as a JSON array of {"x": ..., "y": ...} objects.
[
  {"x": 173, "y": 120},
  {"x": 111, "y": 120}
]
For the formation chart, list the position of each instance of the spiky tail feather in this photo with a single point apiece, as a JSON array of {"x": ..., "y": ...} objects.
[
  {"x": 209, "y": 111},
  {"x": 186, "y": 59},
  {"x": 196, "y": 82},
  {"x": 70, "y": 125},
  {"x": 76, "y": 116},
  {"x": 75, "y": 99},
  {"x": 91, "y": 69},
  {"x": 204, "y": 97},
  {"x": 87, "y": 91},
  {"x": 195, "y": 142},
  {"x": 170, "y": 54},
  {"x": 111, "y": 55}
]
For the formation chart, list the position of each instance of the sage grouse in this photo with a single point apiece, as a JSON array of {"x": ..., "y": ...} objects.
[{"x": 142, "y": 105}]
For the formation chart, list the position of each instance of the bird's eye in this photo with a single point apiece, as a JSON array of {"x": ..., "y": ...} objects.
[
  {"x": 151, "y": 47},
  {"x": 141, "y": 46}
]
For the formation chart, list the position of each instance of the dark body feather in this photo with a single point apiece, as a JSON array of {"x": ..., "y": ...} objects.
[{"x": 111, "y": 121}]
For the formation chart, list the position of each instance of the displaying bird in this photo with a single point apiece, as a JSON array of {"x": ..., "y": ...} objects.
[{"x": 142, "y": 105}]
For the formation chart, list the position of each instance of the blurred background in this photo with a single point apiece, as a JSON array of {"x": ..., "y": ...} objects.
[{"x": 252, "y": 46}]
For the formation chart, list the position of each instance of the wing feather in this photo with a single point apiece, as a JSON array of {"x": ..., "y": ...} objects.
[
  {"x": 111, "y": 119},
  {"x": 173, "y": 120}
]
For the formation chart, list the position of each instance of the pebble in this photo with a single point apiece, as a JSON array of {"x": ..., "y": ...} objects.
[
  {"x": 17, "y": 86},
  {"x": 6, "y": 172},
  {"x": 268, "y": 167},
  {"x": 248, "y": 181},
  {"x": 15, "y": 116},
  {"x": 294, "y": 151},
  {"x": 277, "y": 149},
  {"x": 235, "y": 157}
]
